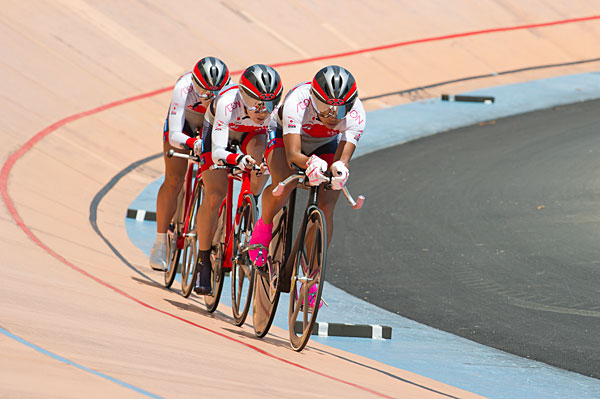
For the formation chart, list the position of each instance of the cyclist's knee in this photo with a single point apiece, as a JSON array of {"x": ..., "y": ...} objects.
[
  {"x": 213, "y": 198},
  {"x": 327, "y": 204},
  {"x": 173, "y": 181}
]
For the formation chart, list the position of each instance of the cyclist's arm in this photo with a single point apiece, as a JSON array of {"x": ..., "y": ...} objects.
[
  {"x": 220, "y": 136},
  {"x": 293, "y": 150},
  {"x": 291, "y": 121},
  {"x": 177, "y": 138},
  {"x": 344, "y": 152}
]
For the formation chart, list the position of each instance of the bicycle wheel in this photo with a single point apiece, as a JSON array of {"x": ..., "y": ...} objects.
[
  {"x": 189, "y": 257},
  {"x": 307, "y": 279},
  {"x": 174, "y": 238},
  {"x": 266, "y": 283},
  {"x": 242, "y": 272},
  {"x": 217, "y": 256}
]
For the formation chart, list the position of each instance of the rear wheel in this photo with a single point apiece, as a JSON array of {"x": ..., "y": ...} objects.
[
  {"x": 307, "y": 280},
  {"x": 173, "y": 238},
  {"x": 217, "y": 257},
  {"x": 242, "y": 271},
  {"x": 189, "y": 257},
  {"x": 267, "y": 286}
]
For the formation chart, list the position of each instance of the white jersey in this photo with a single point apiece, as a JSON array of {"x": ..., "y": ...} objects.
[
  {"x": 185, "y": 105},
  {"x": 230, "y": 121},
  {"x": 300, "y": 117}
]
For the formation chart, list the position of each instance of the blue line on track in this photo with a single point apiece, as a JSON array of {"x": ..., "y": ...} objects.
[{"x": 69, "y": 362}]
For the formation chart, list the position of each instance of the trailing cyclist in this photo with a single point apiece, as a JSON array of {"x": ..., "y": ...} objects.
[
  {"x": 193, "y": 93},
  {"x": 318, "y": 127},
  {"x": 241, "y": 113}
]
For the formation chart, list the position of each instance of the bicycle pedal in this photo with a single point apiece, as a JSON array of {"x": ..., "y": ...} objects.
[{"x": 255, "y": 246}]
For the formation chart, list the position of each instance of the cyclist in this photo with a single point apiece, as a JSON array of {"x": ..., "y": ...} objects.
[
  {"x": 240, "y": 113},
  {"x": 318, "y": 127},
  {"x": 193, "y": 93}
]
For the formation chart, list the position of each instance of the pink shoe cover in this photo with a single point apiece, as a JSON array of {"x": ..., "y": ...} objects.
[
  {"x": 312, "y": 293},
  {"x": 262, "y": 235}
]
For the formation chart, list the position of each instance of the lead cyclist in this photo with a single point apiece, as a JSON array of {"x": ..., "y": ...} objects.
[{"x": 318, "y": 127}]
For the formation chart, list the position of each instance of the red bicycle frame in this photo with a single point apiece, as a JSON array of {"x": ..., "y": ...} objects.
[
  {"x": 244, "y": 177},
  {"x": 189, "y": 185}
]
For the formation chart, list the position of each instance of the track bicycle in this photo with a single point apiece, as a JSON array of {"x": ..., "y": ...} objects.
[
  {"x": 182, "y": 243},
  {"x": 182, "y": 231},
  {"x": 299, "y": 270},
  {"x": 232, "y": 238}
]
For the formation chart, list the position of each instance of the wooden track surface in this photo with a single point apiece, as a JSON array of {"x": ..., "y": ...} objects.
[{"x": 65, "y": 291}]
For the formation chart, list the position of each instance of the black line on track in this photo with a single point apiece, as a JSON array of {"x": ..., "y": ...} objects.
[
  {"x": 101, "y": 194},
  {"x": 93, "y": 221},
  {"x": 387, "y": 373},
  {"x": 489, "y": 75}
]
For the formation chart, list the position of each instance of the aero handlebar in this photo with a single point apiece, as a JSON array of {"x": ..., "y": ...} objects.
[{"x": 278, "y": 191}]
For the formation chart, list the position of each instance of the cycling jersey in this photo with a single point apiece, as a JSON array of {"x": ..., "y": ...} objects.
[
  {"x": 186, "y": 114},
  {"x": 226, "y": 119},
  {"x": 300, "y": 117}
]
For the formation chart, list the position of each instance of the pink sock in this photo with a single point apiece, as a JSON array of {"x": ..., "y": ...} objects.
[{"x": 261, "y": 235}]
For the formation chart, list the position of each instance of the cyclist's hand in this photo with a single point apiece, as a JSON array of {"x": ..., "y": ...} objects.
[
  {"x": 340, "y": 175},
  {"x": 264, "y": 169},
  {"x": 245, "y": 162},
  {"x": 315, "y": 171},
  {"x": 197, "y": 147}
]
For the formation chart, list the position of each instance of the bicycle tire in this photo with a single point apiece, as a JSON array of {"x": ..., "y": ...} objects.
[
  {"x": 217, "y": 255},
  {"x": 190, "y": 245},
  {"x": 242, "y": 270},
  {"x": 267, "y": 287},
  {"x": 173, "y": 237},
  {"x": 309, "y": 271}
]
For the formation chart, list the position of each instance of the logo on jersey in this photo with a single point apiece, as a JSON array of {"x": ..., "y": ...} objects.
[
  {"x": 230, "y": 107},
  {"x": 354, "y": 114},
  {"x": 219, "y": 125},
  {"x": 358, "y": 135},
  {"x": 318, "y": 130},
  {"x": 291, "y": 123},
  {"x": 302, "y": 105}
]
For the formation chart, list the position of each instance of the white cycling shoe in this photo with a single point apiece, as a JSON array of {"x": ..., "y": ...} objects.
[{"x": 158, "y": 256}]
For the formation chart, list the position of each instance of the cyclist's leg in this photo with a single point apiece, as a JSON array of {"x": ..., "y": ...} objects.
[
  {"x": 175, "y": 169},
  {"x": 279, "y": 170},
  {"x": 254, "y": 145},
  {"x": 166, "y": 202},
  {"x": 328, "y": 198},
  {"x": 327, "y": 202},
  {"x": 215, "y": 189}
]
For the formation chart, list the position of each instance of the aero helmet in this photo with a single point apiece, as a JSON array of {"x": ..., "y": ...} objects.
[
  {"x": 260, "y": 88},
  {"x": 333, "y": 92},
  {"x": 209, "y": 76}
]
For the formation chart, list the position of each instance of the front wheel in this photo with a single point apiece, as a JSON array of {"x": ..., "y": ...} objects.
[
  {"x": 175, "y": 241},
  {"x": 217, "y": 257},
  {"x": 308, "y": 277},
  {"x": 189, "y": 257},
  {"x": 267, "y": 287},
  {"x": 242, "y": 272}
]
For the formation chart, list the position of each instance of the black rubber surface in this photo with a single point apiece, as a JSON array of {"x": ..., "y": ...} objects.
[{"x": 490, "y": 232}]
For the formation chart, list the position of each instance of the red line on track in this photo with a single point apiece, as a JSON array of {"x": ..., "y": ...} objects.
[
  {"x": 438, "y": 38},
  {"x": 14, "y": 157}
]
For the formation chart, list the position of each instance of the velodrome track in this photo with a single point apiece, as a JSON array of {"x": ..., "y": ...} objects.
[
  {"x": 67, "y": 296},
  {"x": 494, "y": 230}
]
